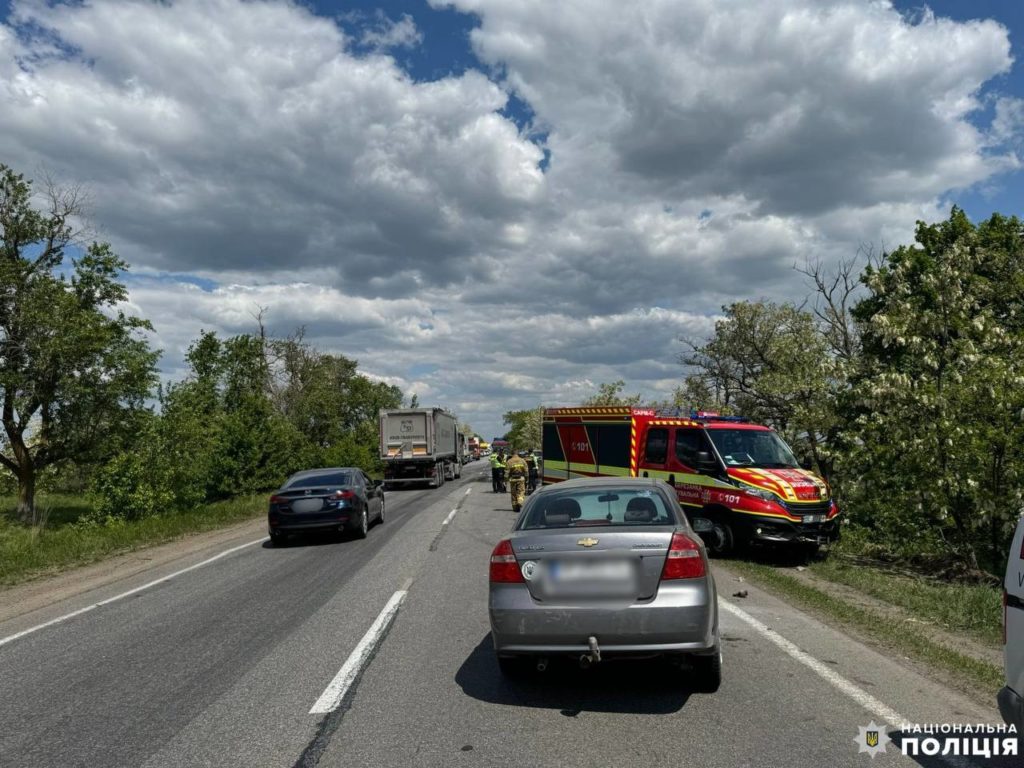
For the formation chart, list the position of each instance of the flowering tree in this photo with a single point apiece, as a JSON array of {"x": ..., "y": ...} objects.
[{"x": 936, "y": 420}]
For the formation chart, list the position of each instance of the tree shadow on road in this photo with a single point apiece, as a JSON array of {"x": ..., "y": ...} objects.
[{"x": 644, "y": 687}]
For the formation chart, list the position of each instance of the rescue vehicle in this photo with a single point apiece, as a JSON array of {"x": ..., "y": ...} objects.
[{"x": 738, "y": 482}]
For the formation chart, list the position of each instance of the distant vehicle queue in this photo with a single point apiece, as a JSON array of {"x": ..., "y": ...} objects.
[
  {"x": 671, "y": 485},
  {"x": 738, "y": 483}
]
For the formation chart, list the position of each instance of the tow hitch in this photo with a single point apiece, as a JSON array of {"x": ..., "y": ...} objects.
[{"x": 593, "y": 657}]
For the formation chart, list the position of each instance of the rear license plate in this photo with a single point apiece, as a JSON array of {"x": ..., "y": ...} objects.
[
  {"x": 591, "y": 579},
  {"x": 307, "y": 505},
  {"x": 601, "y": 570}
]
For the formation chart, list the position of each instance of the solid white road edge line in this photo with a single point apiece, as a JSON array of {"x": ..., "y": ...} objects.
[
  {"x": 449, "y": 518},
  {"x": 865, "y": 699},
  {"x": 161, "y": 580},
  {"x": 338, "y": 687}
]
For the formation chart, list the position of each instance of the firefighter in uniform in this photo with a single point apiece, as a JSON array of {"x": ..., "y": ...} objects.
[
  {"x": 531, "y": 466},
  {"x": 517, "y": 472}
]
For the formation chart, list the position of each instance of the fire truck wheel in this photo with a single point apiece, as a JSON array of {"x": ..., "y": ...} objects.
[{"x": 722, "y": 541}]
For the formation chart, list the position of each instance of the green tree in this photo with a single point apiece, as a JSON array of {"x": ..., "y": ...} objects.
[
  {"x": 612, "y": 394},
  {"x": 74, "y": 370},
  {"x": 525, "y": 431},
  {"x": 772, "y": 363},
  {"x": 937, "y": 435},
  {"x": 329, "y": 402}
]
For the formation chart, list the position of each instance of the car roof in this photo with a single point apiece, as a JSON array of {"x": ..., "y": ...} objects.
[
  {"x": 325, "y": 471},
  {"x": 606, "y": 482}
]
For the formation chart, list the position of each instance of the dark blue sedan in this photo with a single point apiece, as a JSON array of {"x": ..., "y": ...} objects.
[{"x": 338, "y": 499}]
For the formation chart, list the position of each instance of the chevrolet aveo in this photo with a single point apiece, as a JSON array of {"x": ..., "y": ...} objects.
[{"x": 604, "y": 568}]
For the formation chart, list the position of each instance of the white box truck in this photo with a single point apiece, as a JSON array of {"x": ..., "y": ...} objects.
[{"x": 419, "y": 446}]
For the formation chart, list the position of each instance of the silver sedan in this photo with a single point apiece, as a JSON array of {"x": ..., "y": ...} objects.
[{"x": 604, "y": 568}]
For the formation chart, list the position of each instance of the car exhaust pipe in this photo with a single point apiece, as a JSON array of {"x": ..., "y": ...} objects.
[{"x": 542, "y": 664}]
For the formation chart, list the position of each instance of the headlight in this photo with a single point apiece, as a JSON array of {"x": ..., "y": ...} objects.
[{"x": 761, "y": 494}]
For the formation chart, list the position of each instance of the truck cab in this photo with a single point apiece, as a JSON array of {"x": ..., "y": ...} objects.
[{"x": 1011, "y": 696}]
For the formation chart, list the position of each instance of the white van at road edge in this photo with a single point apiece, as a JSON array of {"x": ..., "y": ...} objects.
[{"x": 1011, "y": 697}]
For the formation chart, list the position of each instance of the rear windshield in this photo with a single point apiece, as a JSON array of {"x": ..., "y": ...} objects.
[
  {"x": 607, "y": 506},
  {"x": 321, "y": 481}
]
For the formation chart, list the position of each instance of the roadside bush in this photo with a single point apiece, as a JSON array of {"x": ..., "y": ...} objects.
[{"x": 129, "y": 487}]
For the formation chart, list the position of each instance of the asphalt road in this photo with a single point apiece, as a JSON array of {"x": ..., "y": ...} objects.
[{"x": 221, "y": 665}]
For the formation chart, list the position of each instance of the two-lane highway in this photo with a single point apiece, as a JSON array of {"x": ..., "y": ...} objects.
[
  {"x": 219, "y": 665},
  {"x": 232, "y": 663}
]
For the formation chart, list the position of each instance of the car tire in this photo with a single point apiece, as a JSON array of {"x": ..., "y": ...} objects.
[
  {"x": 707, "y": 672},
  {"x": 279, "y": 538},
  {"x": 364, "y": 525},
  {"x": 512, "y": 668},
  {"x": 380, "y": 518}
]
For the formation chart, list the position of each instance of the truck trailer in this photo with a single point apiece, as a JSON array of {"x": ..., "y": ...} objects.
[{"x": 419, "y": 446}]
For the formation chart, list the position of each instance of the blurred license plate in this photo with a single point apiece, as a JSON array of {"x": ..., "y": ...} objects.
[
  {"x": 814, "y": 518},
  {"x": 604, "y": 571}
]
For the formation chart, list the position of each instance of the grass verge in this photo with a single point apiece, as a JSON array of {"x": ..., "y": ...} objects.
[
  {"x": 27, "y": 551},
  {"x": 899, "y": 636},
  {"x": 971, "y": 608}
]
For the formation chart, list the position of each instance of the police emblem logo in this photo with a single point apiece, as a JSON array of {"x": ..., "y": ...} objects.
[{"x": 872, "y": 739}]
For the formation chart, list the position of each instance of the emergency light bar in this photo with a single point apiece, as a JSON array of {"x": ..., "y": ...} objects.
[{"x": 693, "y": 413}]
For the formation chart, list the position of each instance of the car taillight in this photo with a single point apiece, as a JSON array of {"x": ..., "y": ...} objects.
[
  {"x": 344, "y": 494},
  {"x": 504, "y": 568},
  {"x": 684, "y": 560},
  {"x": 278, "y": 500}
]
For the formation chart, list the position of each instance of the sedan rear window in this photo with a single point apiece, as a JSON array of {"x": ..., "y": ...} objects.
[
  {"x": 607, "y": 506},
  {"x": 321, "y": 481}
]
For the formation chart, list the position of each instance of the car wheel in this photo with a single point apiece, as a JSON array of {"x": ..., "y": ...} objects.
[
  {"x": 364, "y": 525},
  {"x": 279, "y": 538},
  {"x": 380, "y": 519},
  {"x": 707, "y": 672},
  {"x": 512, "y": 667}
]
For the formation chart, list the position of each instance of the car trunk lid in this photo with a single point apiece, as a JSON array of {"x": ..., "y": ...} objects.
[{"x": 593, "y": 562}]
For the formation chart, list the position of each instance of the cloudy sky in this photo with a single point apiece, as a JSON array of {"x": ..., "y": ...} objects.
[{"x": 497, "y": 203}]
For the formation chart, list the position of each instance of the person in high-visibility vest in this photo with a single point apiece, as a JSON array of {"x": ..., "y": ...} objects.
[
  {"x": 498, "y": 471},
  {"x": 517, "y": 472}
]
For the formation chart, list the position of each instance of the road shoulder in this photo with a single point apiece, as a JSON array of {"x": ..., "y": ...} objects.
[{"x": 89, "y": 583}]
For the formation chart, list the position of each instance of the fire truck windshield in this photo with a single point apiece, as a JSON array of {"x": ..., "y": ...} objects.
[{"x": 752, "y": 448}]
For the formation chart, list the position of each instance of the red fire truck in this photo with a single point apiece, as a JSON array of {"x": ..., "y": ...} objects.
[{"x": 738, "y": 482}]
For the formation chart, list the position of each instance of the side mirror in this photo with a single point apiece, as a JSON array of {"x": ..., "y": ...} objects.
[
  {"x": 807, "y": 463},
  {"x": 705, "y": 463}
]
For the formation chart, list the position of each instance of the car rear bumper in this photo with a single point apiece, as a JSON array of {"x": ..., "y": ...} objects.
[
  {"x": 682, "y": 618},
  {"x": 293, "y": 526},
  {"x": 1011, "y": 707}
]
